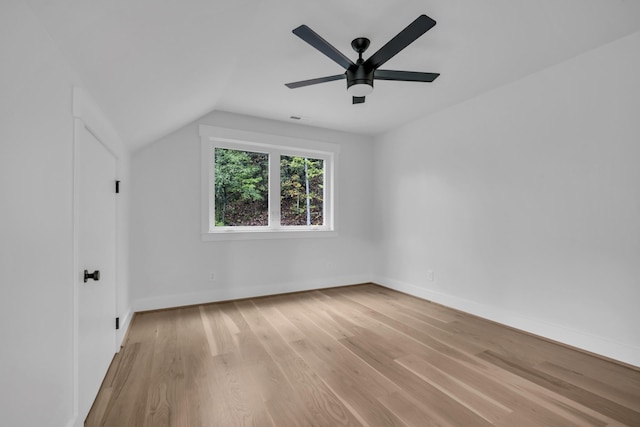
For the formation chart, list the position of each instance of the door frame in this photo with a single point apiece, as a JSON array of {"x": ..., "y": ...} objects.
[{"x": 88, "y": 118}]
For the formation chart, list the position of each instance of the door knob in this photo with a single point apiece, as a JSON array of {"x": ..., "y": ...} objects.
[{"x": 95, "y": 275}]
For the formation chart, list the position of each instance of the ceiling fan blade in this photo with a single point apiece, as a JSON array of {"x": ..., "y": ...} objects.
[
  {"x": 405, "y": 76},
  {"x": 308, "y": 35},
  {"x": 421, "y": 25},
  {"x": 358, "y": 100},
  {"x": 309, "y": 82}
]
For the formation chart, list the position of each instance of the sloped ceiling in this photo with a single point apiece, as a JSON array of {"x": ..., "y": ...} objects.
[{"x": 156, "y": 65}]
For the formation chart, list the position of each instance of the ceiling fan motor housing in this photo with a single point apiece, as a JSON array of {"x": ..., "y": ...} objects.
[{"x": 359, "y": 75}]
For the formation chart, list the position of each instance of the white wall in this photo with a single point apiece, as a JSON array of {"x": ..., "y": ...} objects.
[
  {"x": 171, "y": 265},
  {"x": 525, "y": 203},
  {"x": 36, "y": 224},
  {"x": 36, "y": 139}
]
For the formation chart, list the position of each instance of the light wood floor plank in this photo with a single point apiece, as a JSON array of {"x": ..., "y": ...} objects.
[
  {"x": 563, "y": 388},
  {"x": 318, "y": 399},
  {"x": 448, "y": 410},
  {"x": 617, "y": 394},
  {"x": 353, "y": 356},
  {"x": 477, "y": 401}
]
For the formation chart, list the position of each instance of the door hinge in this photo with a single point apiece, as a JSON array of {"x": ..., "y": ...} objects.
[
  {"x": 117, "y": 323},
  {"x": 117, "y": 187}
]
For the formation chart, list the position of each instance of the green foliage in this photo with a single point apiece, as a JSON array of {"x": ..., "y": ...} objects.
[
  {"x": 301, "y": 181},
  {"x": 241, "y": 177}
]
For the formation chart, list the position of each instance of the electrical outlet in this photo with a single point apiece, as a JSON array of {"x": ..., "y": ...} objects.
[
  {"x": 430, "y": 276},
  {"x": 212, "y": 276}
]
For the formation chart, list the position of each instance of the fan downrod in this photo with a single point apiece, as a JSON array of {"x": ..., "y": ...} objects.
[{"x": 360, "y": 45}]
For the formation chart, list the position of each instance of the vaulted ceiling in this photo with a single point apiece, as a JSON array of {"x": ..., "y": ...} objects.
[{"x": 156, "y": 65}]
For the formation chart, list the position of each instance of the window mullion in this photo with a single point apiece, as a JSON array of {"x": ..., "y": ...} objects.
[
  {"x": 274, "y": 189},
  {"x": 211, "y": 185}
]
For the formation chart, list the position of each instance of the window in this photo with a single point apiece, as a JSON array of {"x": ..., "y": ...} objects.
[
  {"x": 301, "y": 191},
  {"x": 257, "y": 185},
  {"x": 241, "y": 188}
]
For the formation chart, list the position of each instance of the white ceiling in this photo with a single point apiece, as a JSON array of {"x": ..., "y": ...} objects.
[{"x": 156, "y": 65}]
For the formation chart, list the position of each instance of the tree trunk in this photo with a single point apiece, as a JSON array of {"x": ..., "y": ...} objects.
[
  {"x": 224, "y": 208},
  {"x": 306, "y": 183}
]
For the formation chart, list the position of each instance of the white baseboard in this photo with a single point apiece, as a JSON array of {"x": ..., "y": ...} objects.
[
  {"x": 232, "y": 293},
  {"x": 125, "y": 321},
  {"x": 579, "y": 339}
]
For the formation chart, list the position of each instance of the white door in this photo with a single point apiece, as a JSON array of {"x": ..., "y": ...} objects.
[{"x": 96, "y": 169}]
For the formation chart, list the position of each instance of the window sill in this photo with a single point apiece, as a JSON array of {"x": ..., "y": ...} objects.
[{"x": 266, "y": 234}]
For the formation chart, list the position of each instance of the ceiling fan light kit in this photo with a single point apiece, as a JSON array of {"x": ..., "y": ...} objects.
[
  {"x": 361, "y": 74},
  {"x": 360, "y": 89}
]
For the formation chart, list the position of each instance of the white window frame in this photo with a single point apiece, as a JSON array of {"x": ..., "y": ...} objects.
[{"x": 213, "y": 137}]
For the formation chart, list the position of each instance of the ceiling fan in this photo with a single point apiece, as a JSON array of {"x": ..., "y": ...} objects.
[{"x": 361, "y": 74}]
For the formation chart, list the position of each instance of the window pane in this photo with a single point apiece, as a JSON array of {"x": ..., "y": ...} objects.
[
  {"x": 301, "y": 191},
  {"x": 242, "y": 188}
]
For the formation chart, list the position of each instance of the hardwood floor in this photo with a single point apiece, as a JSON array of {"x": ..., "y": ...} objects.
[{"x": 355, "y": 356}]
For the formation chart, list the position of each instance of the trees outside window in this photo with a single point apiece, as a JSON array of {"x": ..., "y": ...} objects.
[
  {"x": 301, "y": 190},
  {"x": 241, "y": 188}
]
